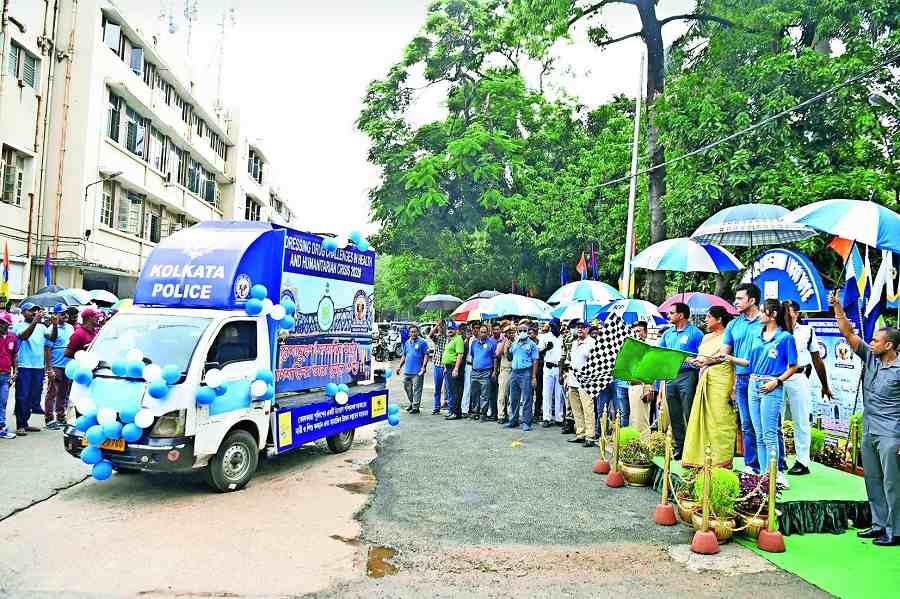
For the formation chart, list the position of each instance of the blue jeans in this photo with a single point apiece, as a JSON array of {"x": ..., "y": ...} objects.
[
  {"x": 742, "y": 397},
  {"x": 438, "y": 386},
  {"x": 4, "y": 397},
  {"x": 480, "y": 391},
  {"x": 29, "y": 387},
  {"x": 615, "y": 398},
  {"x": 520, "y": 396},
  {"x": 765, "y": 412}
]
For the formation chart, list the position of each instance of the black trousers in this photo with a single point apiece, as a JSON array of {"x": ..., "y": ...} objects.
[
  {"x": 456, "y": 384},
  {"x": 679, "y": 399}
]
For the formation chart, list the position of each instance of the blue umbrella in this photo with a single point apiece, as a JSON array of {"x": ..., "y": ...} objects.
[
  {"x": 868, "y": 223},
  {"x": 596, "y": 291},
  {"x": 749, "y": 225},
  {"x": 632, "y": 311},
  {"x": 586, "y": 311},
  {"x": 684, "y": 255}
]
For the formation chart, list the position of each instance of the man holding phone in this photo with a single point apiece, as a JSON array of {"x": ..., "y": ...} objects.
[{"x": 33, "y": 336}]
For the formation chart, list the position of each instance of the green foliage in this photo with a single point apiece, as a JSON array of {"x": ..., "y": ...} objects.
[
  {"x": 636, "y": 453},
  {"x": 657, "y": 444},
  {"x": 817, "y": 441},
  {"x": 626, "y": 434},
  {"x": 788, "y": 429},
  {"x": 724, "y": 488}
]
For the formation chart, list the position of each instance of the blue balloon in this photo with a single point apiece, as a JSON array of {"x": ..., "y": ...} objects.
[
  {"x": 206, "y": 396},
  {"x": 343, "y": 388},
  {"x": 171, "y": 374},
  {"x": 95, "y": 435},
  {"x": 264, "y": 374},
  {"x": 331, "y": 389},
  {"x": 135, "y": 369},
  {"x": 363, "y": 246},
  {"x": 253, "y": 306},
  {"x": 221, "y": 390},
  {"x": 394, "y": 408},
  {"x": 259, "y": 292},
  {"x": 329, "y": 244},
  {"x": 119, "y": 367},
  {"x": 102, "y": 470},
  {"x": 287, "y": 323},
  {"x": 289, "y": 306},
  {"x": 85, "y": 421},
  {"x": 91, "y": 455},
  {"x": 84, "y": 376},
  {"x": 127, "y": 412},
  {"x": 112, "y": 430},
  {"x": 356, "y": 237},
  {"x": 158, "y": 389},
  {"x": 393, "y": 419},
  {"x": 71, "y": 369},
  {"x": 132, "y": 432}
]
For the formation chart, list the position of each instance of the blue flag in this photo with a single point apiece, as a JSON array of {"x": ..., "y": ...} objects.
[
  {"x": 47, "y": 273},
  {"x": 563, "y": 275}
]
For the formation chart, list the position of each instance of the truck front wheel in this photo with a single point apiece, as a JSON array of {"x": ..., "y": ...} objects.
[
  {"x": 235, "y": 463},
  {"x": 341, "y": 442}
]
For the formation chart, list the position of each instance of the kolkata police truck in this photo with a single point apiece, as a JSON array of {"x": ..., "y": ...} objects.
[{"x": 218, "y": 308}]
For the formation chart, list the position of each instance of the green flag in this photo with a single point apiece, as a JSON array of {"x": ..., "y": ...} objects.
[{"x": 638, "y": 361}]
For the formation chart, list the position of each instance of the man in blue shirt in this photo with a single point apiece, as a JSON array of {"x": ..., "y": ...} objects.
[
  {"x": 58, "y": 384},
  {"x": 524, "y": 355},
  {"x": 415, "y": 359},
  {"x": 482, "y": 350},
  {"x": 683, "y": 336},
  {"x": 33, "y": 337}
]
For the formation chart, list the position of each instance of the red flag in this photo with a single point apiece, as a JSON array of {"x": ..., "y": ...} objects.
[
  {"x": 841, "y": 246},
  {"x": 582, "y": 267}
]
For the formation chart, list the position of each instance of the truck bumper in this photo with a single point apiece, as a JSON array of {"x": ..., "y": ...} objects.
[{"x": 157, "y": 454}]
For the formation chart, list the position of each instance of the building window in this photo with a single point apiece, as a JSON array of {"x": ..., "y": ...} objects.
[
  {"x": 251, "y": 210},
  {"x": 112, "y": 36},
  {"x": 154, "y": 224},
  {"x": 200, "y": 126},
  {"x": 183, "y": 159},
  {"x": 134, "y": 138},
  {"x": 255, "y": 167},
  {"x": 211, "y": 190},
  {"x": 114, "y": 116},
  {"x": 193, "y": 176},
  {"x": 22, "y": 65},
  {"x": 150, "y": 75},
  {"x": 158, "y": 150},
  {"x": 186, "y": 112},
  {"x": 137, "y": 60},
  {"x": 130, "y": 211},
  {"x": 12, "y": 177},
  {"x": 108, "y": 203}
]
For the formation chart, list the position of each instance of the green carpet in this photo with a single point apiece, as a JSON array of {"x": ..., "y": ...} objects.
[{"x": 842, "y": 565}]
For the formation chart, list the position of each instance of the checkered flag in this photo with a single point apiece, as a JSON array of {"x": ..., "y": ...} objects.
[{"x": 598, "y": 370}]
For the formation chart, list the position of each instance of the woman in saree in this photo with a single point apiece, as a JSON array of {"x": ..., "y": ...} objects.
[{"x": 712, "y": 419}]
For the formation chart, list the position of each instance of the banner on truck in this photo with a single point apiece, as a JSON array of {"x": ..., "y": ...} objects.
[
  {"x": 331, "y": 341},
  {"x": 844, "y": 368}
]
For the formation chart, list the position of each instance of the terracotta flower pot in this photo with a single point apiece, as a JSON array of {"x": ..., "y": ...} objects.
[{"x": 638, "y": 475}]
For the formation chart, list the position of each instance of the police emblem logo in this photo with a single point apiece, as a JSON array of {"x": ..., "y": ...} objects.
[
  {"x": 773, "y": 353},
  {"x": 242, "y": 286}
]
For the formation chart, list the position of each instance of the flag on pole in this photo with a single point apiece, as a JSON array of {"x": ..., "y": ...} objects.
[
  {"x": 594, "y": 272},
  {"x": 639, "y": 361},
  {"x": 563, "y": 275},
  {"x": 47, "y": 273},
  {"x": 893, "y": 292},
  {"x": 4, "y": 285},
  {"x": 598, "y": 369},
  {"x": 513, "y": 286},
  {"x": 630, "y": 291},
  {"x": 880, "y": 289},
  {"x": 581, "y": 268}
]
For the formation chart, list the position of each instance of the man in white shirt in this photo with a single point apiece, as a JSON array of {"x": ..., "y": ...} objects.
[
  {"x": 582, "y": 404},
  {"x": 553, "y": 406},
  {"x": 797, "y": 394}
]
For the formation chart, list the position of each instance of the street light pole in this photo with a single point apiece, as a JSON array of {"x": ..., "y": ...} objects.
[
  {"x": 632, "y": 190},
  {"x": 108, "y": 177}
]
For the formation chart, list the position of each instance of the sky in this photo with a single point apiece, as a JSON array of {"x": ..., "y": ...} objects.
[{"x": 298, "y": 71}]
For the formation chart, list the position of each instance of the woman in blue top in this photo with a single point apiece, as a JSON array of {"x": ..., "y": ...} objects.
[{"x": 772, "y": 361}]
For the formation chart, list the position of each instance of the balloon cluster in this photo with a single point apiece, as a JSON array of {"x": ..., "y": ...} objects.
[
  {"x": 394, "y": 414},
  {"x": 259, "y": 304},
  {"x": 340, "y": 393},
  {"x": 262, "y": 387},
  {"x": 330, "y": 244}
]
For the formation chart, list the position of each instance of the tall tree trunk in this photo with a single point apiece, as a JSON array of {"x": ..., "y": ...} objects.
[{"x": 657, "y": 178}]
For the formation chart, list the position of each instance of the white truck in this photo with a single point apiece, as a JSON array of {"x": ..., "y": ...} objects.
[{"x": 195, "y": 313}]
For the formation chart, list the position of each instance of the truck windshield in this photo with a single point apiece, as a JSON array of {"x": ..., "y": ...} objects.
[{"x": 163, "y": 338}]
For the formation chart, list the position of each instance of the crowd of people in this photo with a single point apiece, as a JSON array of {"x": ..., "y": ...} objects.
[{"x": 35, "y": 347}]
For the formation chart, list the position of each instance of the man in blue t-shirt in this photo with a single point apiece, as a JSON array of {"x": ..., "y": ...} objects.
[
  {"x": 413, "y": 363},
  {"x": 524, "y": 355},
  {"x": 683, "y": 336},
  {"x": 58, "y": 384},
  {"x": 482, "y": 350},
  {"x": 33, "y": 337}
]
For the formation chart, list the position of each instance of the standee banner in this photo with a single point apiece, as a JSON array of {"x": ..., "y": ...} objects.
[
  {"x": 844, "y": 369},
  {"x": 298, "y": 425},
  {"x": 331, "y": 341}
]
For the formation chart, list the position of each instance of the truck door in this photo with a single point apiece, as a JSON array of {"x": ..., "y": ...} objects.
[{"x": 239, "y": 350}]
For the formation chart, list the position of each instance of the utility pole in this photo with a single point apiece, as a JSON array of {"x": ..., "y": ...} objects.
[
  {"x": 228, "y": 18},
  {"x": 632, "y": 190}
]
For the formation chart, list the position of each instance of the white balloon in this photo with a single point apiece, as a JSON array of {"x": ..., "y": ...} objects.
[
  {"x": 143, "y": 418},
  {"x": 85, "y": 404},
  {"x": 134, "y": 355},
  {"x": 152, "y": 372},
  {"x": 89, "y": 360},
  {"x": 213, "y": 378},
  {"x": 258, "y": 388},
  {"x": 106, "y": 415},
  {"x": 267, "y": 307},
  {"x": 341, "y": 398},
  {"x": 79, "y": 355},
  {"x": 278, "y": 312}
]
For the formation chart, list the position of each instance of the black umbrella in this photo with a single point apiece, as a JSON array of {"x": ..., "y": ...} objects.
[
  {"x": 50, "y": 289},
  {"x": 47, "y": 300},
  {"x": 440, "y": 301},
  {"x": 486, "y": 294}
]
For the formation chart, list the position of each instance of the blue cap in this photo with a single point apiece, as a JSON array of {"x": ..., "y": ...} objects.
[
  {"x": 27, "y": 306},
  {"x": 58, "y": 309}
]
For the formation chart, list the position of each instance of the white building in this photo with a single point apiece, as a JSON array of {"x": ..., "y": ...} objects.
[{"x": 131, "y": 152}]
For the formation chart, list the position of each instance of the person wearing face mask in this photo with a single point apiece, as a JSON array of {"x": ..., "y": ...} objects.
[
  {"x": 483, "y": 350},
  {"x": 537, "y": 390},
  {"x": 582, "y": 404},
  {"x": 552, "y": 396},
  {"x": 524, "y": 358}
]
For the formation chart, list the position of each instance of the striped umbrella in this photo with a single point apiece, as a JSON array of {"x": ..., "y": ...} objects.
[
  {"x": 751, "y": 225},
  {"x": 632, "y": 311},
  {"x": 595, "y": 291},
  {"x": 586, "y": 311},
  {"x": 510, "y": 304},
  {"x": 868, "y": 223},
  {"x": 468, "y": 311},
  {"x": 684, "y": 255}
]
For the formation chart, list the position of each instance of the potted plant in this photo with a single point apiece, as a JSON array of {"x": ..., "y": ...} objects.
[
  {"x": 657, "y": 444},
  {"x": 751, "y": 511},
  {"x": 816, "y": 441},
  {"x": 635, "y": 463},
  {"x": 787, "y": 427},
  {"x": 724, "y": 489},
  {"x": 687, "y": 503}
]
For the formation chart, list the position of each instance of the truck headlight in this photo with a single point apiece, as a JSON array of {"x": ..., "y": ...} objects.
[{"x": 170, "y": 424}]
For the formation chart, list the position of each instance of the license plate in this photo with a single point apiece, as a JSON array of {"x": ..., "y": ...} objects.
[{"x": 109, "y": 444}]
